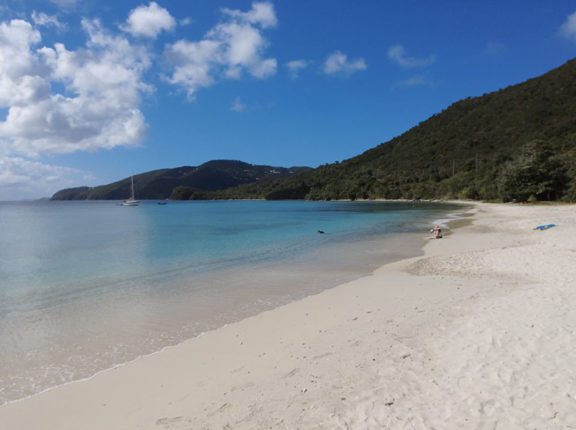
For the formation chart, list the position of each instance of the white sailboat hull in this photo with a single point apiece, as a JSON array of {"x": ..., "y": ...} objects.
[{"x": 130, "y": 203}]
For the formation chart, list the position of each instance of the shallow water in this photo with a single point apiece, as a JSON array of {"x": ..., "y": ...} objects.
[{"x": 85, "y": 286}]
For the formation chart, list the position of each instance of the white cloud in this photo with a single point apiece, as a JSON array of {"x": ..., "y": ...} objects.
[
  {"x": 185, "y": 21},
  {"x": 43, "y": 20},
  {"x": 295, "y": 67},
  {"x": 149, "y": 21},
  {"x": 238, "y": 105},
  {"x": 262, "y": 14},
  {"x": 231, "y": 48},
  {"x": 264, "y": 68},
  {"x": 414, "y": 81},
  {"x": 568, "y": 28},
  {"x": 193, "y": 64},
  {"x": 25, "y": 179},
  {"x": 337, "y": 63},
  {"x": 397, "y": 54},
  {"x": 98, "y": 105},
  {"x": 19, "y": 66}
]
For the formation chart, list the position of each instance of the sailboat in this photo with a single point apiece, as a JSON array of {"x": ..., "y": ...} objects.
[{"x": 131, "y": 201}]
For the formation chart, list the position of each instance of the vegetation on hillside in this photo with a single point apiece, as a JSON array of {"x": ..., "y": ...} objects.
[
  {"x": 517, "y": 143},
  {"x": 181, "y": 183}
]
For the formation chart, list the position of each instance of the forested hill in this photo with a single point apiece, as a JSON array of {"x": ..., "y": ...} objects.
[
  {"x": 182, "y": 182},
  {"x": 518, "y": 143}
]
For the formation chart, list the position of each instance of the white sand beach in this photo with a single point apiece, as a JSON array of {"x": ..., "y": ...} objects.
[{"x": 477, "y": 333}]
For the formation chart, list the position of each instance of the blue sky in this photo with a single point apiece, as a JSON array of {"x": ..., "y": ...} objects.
[{"x": 93, "y": 91}]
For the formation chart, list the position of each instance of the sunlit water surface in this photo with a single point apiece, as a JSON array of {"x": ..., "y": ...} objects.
[{"x": 85, "y": 286}]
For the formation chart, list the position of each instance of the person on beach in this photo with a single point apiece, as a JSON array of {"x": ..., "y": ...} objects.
[{"x": 436, "y": 232}]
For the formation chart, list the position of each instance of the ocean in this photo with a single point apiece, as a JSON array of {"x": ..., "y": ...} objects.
[{"x": 86, "y": 286}]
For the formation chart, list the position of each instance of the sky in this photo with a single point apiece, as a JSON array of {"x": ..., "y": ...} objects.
[{"x": 92, "y": 91}]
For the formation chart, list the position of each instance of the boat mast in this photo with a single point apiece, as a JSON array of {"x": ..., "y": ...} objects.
[{"x": 132, "y": 179}]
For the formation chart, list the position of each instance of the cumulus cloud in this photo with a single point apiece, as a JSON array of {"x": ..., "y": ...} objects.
[
  {"x": 100, "y": 105},
  {"x": 21, "y": 73},
  {"x": 568, "y": 28},
  {"x": 43, "y": 20},
  {"x": 337, "y": 63},
  {"x": 238, "y": 105},
  {"x": 97, "y": 105},
  {"x": 295, "y": 67},
  {"x": 149, "y": 21},
  {"x": 233, "y": 47},
  {"x": 397, "y": 54}
]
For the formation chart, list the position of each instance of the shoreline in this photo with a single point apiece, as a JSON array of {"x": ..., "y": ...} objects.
[
  {"x": 325, "y": 286},
  {"x": 327, "y": 266},
  {"x": 370, "y": 353},
  {"x": 451, "y": 217}
]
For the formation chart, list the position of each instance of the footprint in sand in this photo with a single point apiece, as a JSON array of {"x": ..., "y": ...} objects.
[
  {"x": 173, "y": 423},
  {"x": 292, "y": 373}
]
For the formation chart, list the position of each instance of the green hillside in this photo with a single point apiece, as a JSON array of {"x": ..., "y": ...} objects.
[
  {"x": 517, "y": 143},
  {"x": 181, "y": 182}
]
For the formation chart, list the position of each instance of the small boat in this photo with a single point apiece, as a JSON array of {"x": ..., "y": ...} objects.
[{"x": 131, "y": 201}]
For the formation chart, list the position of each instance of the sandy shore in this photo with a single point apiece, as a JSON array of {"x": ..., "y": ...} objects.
[{"x": 477, "y": 333}]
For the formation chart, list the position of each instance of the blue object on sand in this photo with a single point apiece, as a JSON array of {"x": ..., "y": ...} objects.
[{"x": 544, "y": 227}]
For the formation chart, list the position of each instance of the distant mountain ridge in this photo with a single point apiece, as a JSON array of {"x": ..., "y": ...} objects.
[{"x": 166, "y": 183}]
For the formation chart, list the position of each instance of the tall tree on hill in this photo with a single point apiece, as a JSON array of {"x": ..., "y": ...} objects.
[{"x": 537, "y": 174}]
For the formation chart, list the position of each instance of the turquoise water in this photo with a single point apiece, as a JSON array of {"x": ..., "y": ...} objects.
[{"x": 87, "y": 285}]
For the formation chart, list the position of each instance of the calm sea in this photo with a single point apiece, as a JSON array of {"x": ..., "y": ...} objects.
[{"x": 85, "y": 286}]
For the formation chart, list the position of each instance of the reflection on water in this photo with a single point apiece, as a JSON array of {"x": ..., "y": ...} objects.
[{"x": 86, "y": 285}]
